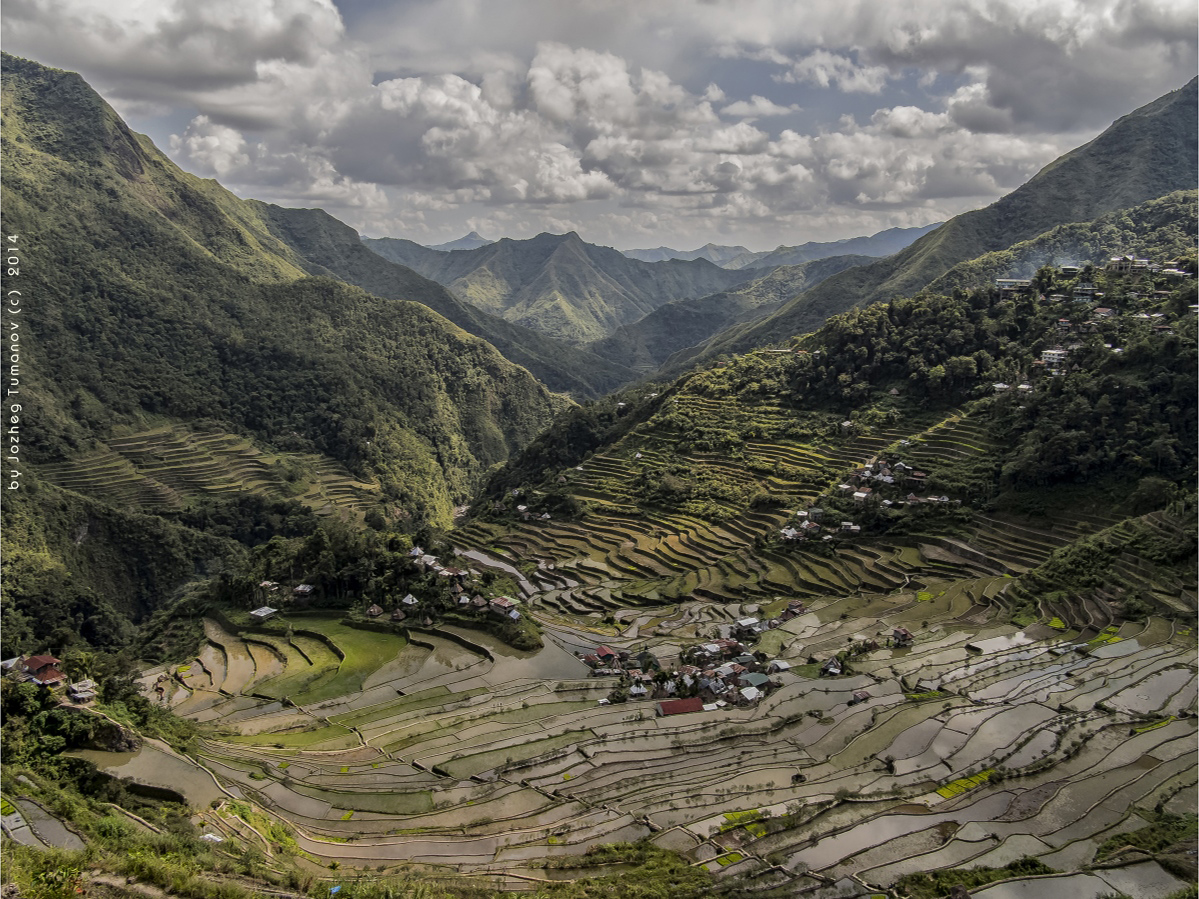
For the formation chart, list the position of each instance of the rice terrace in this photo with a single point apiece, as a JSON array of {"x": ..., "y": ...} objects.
[
  {"x": 345, "y": 557},
  {"x": 866, "y": 715}
]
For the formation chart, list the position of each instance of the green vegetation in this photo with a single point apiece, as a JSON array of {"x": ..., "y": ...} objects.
[
  {"x": 560, "y": 285},
  {"x": 934, "y": 885},
  {"x": 334, "y": 248},
  {"x": 221, "y": 328},
  {"x": 1164, "y": 832},
  {"x": 646, "y": 344}
]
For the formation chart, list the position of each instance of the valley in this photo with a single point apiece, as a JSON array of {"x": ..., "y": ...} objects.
[
  {"x": 1020, "y": 726},
  {"x": 365, "y": 569}
]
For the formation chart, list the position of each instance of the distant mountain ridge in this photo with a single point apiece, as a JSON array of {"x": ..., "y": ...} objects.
[
  {"x": 884, "y": 243},
  {"x": 645, "y": 344},
  {"x": 1142, "y": 156},
  {"x": 559, "y": 284},
  {"x": 471, "y": 241},
  {"x": 714, "y": 253}
]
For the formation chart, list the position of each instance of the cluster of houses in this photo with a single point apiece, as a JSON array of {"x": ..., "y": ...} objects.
[
  {"x": 1055, "y": 360},
  {"x": 460, "y": 581},
  {"x": 713, "y": 675},
  {"x": 45, "y": 672},
  {"x": 864, "y": 486}
]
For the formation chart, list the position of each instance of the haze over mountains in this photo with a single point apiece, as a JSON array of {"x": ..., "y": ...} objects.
[{"x": 884, "y": 243}]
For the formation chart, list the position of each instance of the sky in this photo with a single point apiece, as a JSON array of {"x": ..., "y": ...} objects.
[{"x": 636, "y": 123}]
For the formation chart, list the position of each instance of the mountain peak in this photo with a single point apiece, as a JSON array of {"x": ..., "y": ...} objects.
[{"x": 471, "y": 241}]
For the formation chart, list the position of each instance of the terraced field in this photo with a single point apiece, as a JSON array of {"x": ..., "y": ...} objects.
[
  {"x": 977, "y": 745},
  {"x": 982, "y": 743},
  {"x": 168, "y": 467}
]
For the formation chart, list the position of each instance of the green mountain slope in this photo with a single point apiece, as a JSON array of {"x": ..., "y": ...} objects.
[
  {"x": 644, "y": 345},
  {"x": 330, "y": 247},
  {"x": 684, "y": 494},
  {"x": 1164, "y": 228},
  {"x": 1144, "y": 155},
  {"x": 558, "y": 284},
  {"x": 160, "y": 296}
]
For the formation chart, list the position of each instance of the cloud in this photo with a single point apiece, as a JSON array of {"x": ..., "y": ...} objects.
[
  {"x": 833, "y": 70},
  {"x": 757, "y": 107},
  {"x": 625, "y": 117},
  {"x": 213, "y": 148}
]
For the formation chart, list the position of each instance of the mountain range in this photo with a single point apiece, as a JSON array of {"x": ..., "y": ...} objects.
[
  {"x": 884, "y": 243},
  {"x": 559, "y": 284}
]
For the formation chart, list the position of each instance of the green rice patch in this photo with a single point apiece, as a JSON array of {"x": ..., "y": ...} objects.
[
  {"x": 921, "y": 697},
  {"x": 365, "y": 653},
  {"x": 328, "y": 738},
  {"x": 411, "y": 703},
  {"x": 7, "y": 808},
  {"x": 964, "y": 784},
  {"x": 417, "y": 802},
  {"x": 1154, "y": 726},
  {"x": 467, "y": 766},
  {"x": 731, "y": 859}
]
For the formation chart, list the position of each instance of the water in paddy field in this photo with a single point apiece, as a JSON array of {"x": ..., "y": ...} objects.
[{"x": 157, "y": 767}]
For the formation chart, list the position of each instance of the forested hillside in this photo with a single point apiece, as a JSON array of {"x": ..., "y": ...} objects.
[
  {"x": 559, "y": 284},
  {"x": 159, "y": 301},
  {"x": 645, "y": 344},
  {"x": 1142, "y": 156}
]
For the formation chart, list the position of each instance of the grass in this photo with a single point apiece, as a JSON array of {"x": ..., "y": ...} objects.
[
  {"x": 731, "y": 859},
  {"x": 328, "y": 738},
  {"x": 1154, "y": 726},
  {"x": 1165, "y": 831},
  {"x": 365, "y": 653}
]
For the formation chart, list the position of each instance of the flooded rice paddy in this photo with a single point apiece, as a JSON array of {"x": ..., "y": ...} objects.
[{"x": 454, "y": 749}]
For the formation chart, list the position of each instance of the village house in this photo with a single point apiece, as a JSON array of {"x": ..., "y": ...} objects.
[
  {"x": 262, "y": 614},
  {"x": 831, "y": 668},
  {"x": 749, "y": 695},
  {"x": 680, "y": 706},
  {"x": 84, "y": 691},
  {"x": 505, "y": 606},
  {"x": 303, "y": 590},
  {"x": 901, "y": 636},
  {"x": 43, "y": 670},
  {"x": 374, "y": 611}
]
